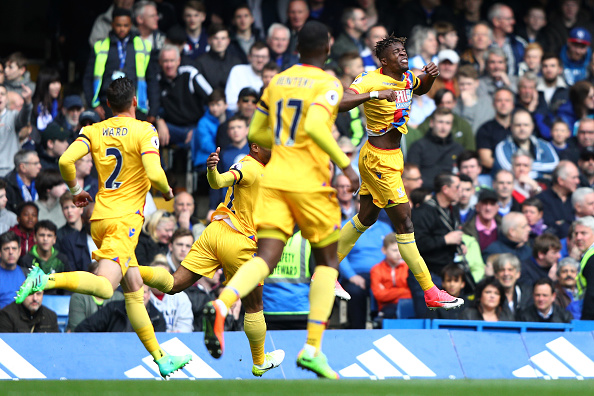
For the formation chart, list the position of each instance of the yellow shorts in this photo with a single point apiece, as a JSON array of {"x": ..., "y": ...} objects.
[
  {"x": 316, "y": 213},
  {"x": 381, "y": 175},
  {"x": 116, "y": 239},
  {"x": 219, "y": 246}
]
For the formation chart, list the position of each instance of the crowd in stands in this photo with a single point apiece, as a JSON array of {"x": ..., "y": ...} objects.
[{"x": 499, "y": 155}]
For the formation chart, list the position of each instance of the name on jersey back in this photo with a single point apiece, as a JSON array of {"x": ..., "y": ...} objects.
[
  {"x": 115, "y": 131},
  {"x": 295, "y": 81}
]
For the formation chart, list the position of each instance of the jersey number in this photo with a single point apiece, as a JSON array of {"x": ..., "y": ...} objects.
[
  {"x": 111, "y": 182},
  {"x": 297, "y": 105}
]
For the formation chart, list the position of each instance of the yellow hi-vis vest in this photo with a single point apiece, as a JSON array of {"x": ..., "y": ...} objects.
[
  {"x": 142, "y": 50},
  {"x": 581, "y": 280},
  {"x": 293, "y": 266}
]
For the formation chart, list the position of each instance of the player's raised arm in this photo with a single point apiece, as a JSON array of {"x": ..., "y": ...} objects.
[
  {"x": 215, "y": 179},
  {"x": 427, "y": 79},
  {"x": 78, "y": 149}
]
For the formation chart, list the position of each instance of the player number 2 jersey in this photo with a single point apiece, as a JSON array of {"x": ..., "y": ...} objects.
[
  {"x": 117, "y": 146},
  {"x": 382, "y": 115},
  {"x": 297, "y": 163}
]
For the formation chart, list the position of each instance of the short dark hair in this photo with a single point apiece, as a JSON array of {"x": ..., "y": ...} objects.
[
  {"x": 23, "y": 205},
  {"x": 258, "y": 45},
  {"x": 17, "y": 57},
  {"x": 537, "y": 203},
  {"x": 452, "y": 270},
  {"x": 66, "y": 197},
  {"x": 441, "y": 111},
  {"x": 464, "y": 178},
  {"x": 543, "y": 243},
  {"x": 216, "y": 95},
  {"x": 2, "y": 184},
  {"x": 442, "y": 28},
  {"x": 312, "y": 38},
  {"x": 180, "y": 233},
  {"x": 46, "y": 180},
  {"x": 120, "y": 93},
  {"x": 382, "y": 45},
  {"x": 216, "y": 28},
  {"x": 119, "y": 12},
  {"x": 46, "y": 225},
  {"x": 544, "y": 281},
  {"x": 417, "y": 196},
  {"x": 346, "y": 58},
  {"x": 480, "y": 287},
  {"x": 438, "y": 98},
  {"x": 9, "y": 236},
  {"x": 239, "y": 117},
  {"x": 468, "y": 71},
  {"x": 467, "y": 155},
  {"x": 550, "y": 55},
  {"x": 271, "y": 66},
  {"x": 195, "y": 5},
  {"x": 443, "y": 179}
]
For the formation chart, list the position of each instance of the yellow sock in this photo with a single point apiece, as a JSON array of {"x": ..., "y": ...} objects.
[
  {"x": 412, "y": 257},
  {"x": 349, "y": 234},
  {"x": 157, "y": 277},
  {"x": 141, "y": 323},
  {"x": 245, "y": 280},
  {"x": 254, "y": 326},
  {"x": 321, "y": 300},
  {"x": 81, "y": 282}
]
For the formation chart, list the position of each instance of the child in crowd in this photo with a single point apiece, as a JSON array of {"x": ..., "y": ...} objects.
[
  {"x": 203, "y": 141},
  {"x": 27, "y": 213},
  {"x": 43, "y": 254},
  {"x": 7, "y": 218},
  {"x": 560, "y": 134},
  {"x": 532, "y": 56},
  {"x": 447, "y": 36},
  {"x": 454, "y": 283},
  {"x": 50, "y": 187},
  {"x": 389, "y": 279}
]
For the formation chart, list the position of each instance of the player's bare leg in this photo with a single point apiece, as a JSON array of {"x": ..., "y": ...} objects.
[
  {"x": 255, "y": 329},
  {"x": 243, "y": 282},
  {"x": 400, "y": 215},
  {"x": 321, "y": 300}
]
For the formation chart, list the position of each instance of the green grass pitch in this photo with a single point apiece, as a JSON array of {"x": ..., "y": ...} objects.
[{"x": 298, "y": 387}]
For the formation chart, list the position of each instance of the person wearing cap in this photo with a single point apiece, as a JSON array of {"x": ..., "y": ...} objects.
[
  {"x": 565, "y": 287},
  {"x": 246, "y": 106},
  {"x": 586, "y": 167},
  {"x": 88, "y": 117},
  {"x": 122, "y": 54},
  {"x": 448, "y": 67},
  {"x": 247, "y": 76},
  {"x": 502, "y": 21},
  {"x": 569, "y": 15},
  {"x": 576, "y": 54},
  {"x": 54, "y": 141},
  {"x": 184, "y": 95},
  {"x": 69, "y": 117},
  {"x": 485, "y": 222}
]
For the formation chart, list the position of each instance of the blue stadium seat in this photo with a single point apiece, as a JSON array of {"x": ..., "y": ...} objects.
[
  {"x": 60, "y": 305},
  {"x": 405, "y": 309}
]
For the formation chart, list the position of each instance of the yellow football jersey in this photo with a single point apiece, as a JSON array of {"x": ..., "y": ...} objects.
[
  {"x": 241, "y": 196},
  {"x": 117, "y": 146},
  {"x": 382, "y": 115},
  {"x": 297, "y": 163}
]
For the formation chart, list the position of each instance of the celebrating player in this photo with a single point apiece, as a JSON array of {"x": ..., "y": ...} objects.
[
  {"x": 126, "y": 154},
  {"x": 294, "y": 117},
  {"x": 228, "y": 242},
  {"x": 381, "y": 161}
]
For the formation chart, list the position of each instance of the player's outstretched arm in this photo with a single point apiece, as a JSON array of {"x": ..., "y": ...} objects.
[
  {"x": 215, "y": 179},
  {"x": 427, "y": 79},
  {"x": 259, "y": 132},
  {"x": 75, "y": 151},
  {"x": 156, "y": 174},
  {"x": 352, "y": 99}
]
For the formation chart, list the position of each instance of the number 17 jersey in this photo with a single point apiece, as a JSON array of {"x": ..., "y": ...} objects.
[
  {"x": 297, "y": 162},
  {"x": 117, "y": 146}
]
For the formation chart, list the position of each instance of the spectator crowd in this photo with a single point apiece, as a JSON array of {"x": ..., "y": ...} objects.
[{"x": 499, "y": 155}]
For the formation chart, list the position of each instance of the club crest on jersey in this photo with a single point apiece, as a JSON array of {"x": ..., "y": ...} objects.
[
  {"x": 332, "y": 97},
  {"x": 237, "y": 166},
  {"x": 403, "y": 99}
]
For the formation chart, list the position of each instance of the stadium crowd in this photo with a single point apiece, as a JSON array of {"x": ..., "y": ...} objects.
[{"x": 499, "y": 154}]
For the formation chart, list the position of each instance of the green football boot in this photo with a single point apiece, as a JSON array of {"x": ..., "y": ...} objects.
[{"x": 35, "y": 281}]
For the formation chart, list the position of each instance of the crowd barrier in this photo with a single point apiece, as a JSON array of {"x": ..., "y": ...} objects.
[{"x": 363, "y": 354}]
